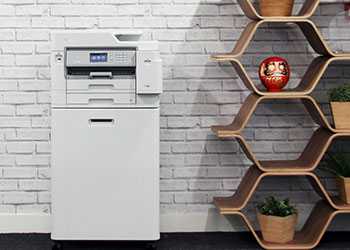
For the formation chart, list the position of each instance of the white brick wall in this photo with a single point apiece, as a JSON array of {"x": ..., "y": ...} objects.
[{"x": 198, "y": 92}]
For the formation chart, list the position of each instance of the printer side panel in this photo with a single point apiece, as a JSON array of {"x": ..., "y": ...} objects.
[
  {"x": 58, "y": 168},
  {"x": 149, "y": 72}
]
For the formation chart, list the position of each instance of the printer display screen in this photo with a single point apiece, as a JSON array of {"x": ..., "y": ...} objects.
[{"x": 98, "y": 57}]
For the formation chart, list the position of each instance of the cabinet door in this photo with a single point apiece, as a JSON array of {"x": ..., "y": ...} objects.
[{"x": 106, "y": 171}]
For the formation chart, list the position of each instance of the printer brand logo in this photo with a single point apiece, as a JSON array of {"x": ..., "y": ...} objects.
[{"x": 147, "y": 61}]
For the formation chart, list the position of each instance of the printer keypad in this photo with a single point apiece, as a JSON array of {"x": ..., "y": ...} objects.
[{"x": 120, "y": 57}]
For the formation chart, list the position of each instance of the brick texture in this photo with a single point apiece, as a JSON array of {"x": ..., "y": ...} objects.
[{"x": 198, "y": 92}]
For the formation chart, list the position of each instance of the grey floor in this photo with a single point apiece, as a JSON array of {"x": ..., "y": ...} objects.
[{"x": 176, "y": 241}]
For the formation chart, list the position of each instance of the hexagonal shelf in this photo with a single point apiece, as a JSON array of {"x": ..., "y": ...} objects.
[
  {"x": 307, "y": 161},
  {"x": 251, "y": 180},
  {"x": 310, "y": 234},
  {"x": 325, "y": 210},
  {"x": 307, "y": 84},
  {"x": 251, "y": 103}
]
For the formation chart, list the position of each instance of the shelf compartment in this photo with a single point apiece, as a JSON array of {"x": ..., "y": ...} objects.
[
  {"x": 307, "y": 84},
  {"x": 251, "y": 103},
  {"x": 306, "y": 11},
  {"x": 251, "y": 180},
  {"x": 307, "y": 27},
  {"x": 307, "y": 161},
  {"x": 310, "y": 234}
]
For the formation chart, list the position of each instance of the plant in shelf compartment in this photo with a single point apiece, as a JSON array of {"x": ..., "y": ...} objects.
[
  {"x": 277, "y": 219},
  {"x": 340, "y": 105},
  {"x": 276, "y": 7},
  {"x": 274, "y": 73},
  {"x": 338, "y": 163}
]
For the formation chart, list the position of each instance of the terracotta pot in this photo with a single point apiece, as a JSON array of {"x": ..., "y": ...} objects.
[
  {"x": 278, "y": 229},
  {"x": 343, "y": 188},
  {"x": 341, "y": 114},
  {"x": 276, "y": 7}
]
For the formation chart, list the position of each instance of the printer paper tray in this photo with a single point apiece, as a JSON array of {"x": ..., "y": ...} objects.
[
  {"x": 100, "y": 99},
  {"x": 101, "y": 86}
]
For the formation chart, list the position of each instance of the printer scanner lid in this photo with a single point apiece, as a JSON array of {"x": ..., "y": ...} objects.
[{"x": 100, "y": 39}]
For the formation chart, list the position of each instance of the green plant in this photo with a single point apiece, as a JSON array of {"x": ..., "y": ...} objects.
[
  {"x": 337, "y": 163},
  {"x": 276, "y": 207},
  {"x": 340, "y": 93}
]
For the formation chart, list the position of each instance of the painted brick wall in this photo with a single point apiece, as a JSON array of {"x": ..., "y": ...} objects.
[{"x": 198, "y": 92}]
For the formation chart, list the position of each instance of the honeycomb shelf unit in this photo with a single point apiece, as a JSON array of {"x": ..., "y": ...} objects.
[{"x": 328, "y": 207}]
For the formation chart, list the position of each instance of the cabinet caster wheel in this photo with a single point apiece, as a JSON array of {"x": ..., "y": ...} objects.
[
  {"x": 56, "y": 246},
  {"x": 151, "y": 246}
]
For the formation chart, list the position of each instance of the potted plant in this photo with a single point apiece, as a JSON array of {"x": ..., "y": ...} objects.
[
  {"x": 340, "y": 105},
  {"x": 277, "y": 219},
  {"x": 276, "y": 7},
  {"x": 338, "y": 163}
]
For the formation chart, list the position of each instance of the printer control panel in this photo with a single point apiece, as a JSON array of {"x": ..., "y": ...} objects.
[
  {"x": 99, "y": 58},
  {"x": 119, "y": 57}
]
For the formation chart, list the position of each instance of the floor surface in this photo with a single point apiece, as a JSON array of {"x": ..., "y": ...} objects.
[{"x": 175, "y": 241}]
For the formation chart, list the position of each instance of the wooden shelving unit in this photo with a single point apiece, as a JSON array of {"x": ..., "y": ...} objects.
[{"x": 328, "y": 207}]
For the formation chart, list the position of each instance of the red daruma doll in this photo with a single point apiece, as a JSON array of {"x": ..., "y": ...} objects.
[{"x": 274, "y": 73}]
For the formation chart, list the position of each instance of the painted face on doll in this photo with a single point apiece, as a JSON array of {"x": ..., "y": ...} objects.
[
  {"x": 274, "y": 73},
  {"x": 276, "y": 69}
]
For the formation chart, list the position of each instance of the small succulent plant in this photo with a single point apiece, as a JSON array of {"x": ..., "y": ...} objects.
[
  {"x": 276, "y": 207},
  {"x": 340, "y": 93}
]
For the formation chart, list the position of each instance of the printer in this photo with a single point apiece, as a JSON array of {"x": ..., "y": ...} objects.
[{"x": 105, "y": 136}]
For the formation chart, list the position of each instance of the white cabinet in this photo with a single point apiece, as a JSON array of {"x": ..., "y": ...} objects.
[{"x": 105, "y": 174}]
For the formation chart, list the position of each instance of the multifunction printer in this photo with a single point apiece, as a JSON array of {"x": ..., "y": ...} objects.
[{"x": 105, "y": 136}]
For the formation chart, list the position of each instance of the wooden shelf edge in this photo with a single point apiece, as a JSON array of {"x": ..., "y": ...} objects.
[
  {"x": 311, "y": 233},
  {"x": 236, "y": 202},
  {"x": 232, "y": 57}
]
